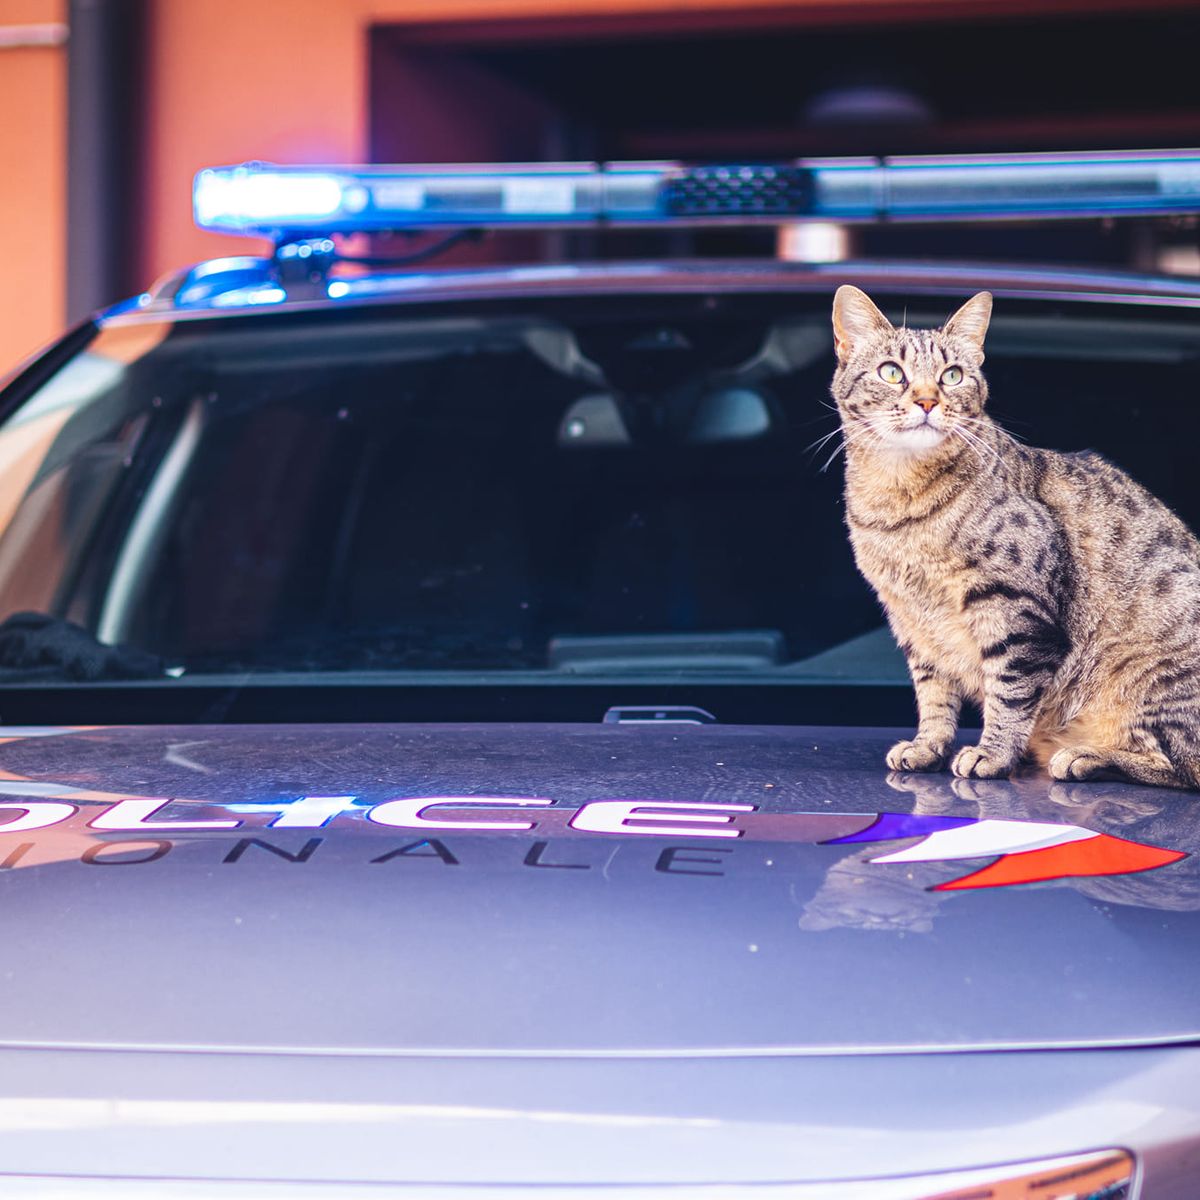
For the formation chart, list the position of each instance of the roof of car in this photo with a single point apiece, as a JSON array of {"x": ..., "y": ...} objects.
[{"x": 234, "y": 286}]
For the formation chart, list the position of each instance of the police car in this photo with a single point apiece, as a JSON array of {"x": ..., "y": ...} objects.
[{"x": 443, "y": 729}]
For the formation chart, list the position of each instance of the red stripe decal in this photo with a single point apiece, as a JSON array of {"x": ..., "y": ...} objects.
[{"x": 1101, "y": 855}]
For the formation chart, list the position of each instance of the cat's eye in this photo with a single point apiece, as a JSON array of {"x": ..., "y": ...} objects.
[
  {"x": 951, "y": 376},
  {"x": 890, "y": 372}
]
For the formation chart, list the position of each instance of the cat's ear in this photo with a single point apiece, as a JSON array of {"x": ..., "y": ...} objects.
[
  {"x": 971, "y": 321},
  {"x": 855, "y": 317}
]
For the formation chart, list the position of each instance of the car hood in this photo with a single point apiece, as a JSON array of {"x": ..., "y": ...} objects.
[{"x": 670, "y": 890}]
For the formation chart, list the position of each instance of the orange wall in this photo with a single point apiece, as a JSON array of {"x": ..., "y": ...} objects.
[
  {"x": 232, "y": 80},
  {"x": 33, "y": 147}
]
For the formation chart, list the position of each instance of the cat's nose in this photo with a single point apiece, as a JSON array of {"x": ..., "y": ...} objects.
[{"x": 925, "y": 402}]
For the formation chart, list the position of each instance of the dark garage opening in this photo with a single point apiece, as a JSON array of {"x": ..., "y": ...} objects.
[{"x": 764, "y": 86}]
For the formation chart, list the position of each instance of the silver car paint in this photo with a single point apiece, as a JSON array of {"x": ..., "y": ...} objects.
[
  {"x": 477, "y": 943},
  {"x": 494, "y": 1022},
  {"x": 620, "y": 1122}
]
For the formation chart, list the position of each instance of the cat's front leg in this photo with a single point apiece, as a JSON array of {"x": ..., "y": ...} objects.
[
  {"x": 938, "y": 704},
  {"x": 1022, "y": 645}
]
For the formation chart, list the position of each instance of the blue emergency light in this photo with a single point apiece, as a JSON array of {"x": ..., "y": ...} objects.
[
  {"x": 258, "y": 198},
  {"x": 288, "y": 202}
]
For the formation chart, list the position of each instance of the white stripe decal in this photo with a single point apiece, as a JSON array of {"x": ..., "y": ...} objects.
[
  {"x": 986, "y": 838},
  {"x": 28, "y": 731},
  {"x": 21, "y": 788}
]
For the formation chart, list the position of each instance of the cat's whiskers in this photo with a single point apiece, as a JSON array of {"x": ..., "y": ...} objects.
[
  {"x": 816, "y": 446},
  {"x": 998, "y": 430},
  {"x": 852, "y": 433},
  {"x": 982, "y": 451},
  {"x": 814, "y": 420},
  {"x": 971, "y": 443},
  {"x": 846, "y": 440},
  {"x": 964, "y": 430},
  {"x": 837, "y": 450},
  {"x": 990, "y": 449}
]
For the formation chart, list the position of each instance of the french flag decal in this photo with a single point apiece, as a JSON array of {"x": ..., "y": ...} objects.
[{"x": 1028, "y": 851}]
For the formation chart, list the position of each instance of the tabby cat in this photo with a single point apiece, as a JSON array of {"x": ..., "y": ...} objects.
[{"x": 1051, "y": 589}]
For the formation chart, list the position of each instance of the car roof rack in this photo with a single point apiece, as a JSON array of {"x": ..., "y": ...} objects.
[{"x": 293, "y": 203}]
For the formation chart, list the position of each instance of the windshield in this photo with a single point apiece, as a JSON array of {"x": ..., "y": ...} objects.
[{"x": 563, "y": 490}]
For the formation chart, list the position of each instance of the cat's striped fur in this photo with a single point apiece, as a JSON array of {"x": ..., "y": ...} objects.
[{"x": 1049, "y": 588}]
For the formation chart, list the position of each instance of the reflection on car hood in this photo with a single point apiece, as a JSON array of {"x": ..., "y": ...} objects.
[{"x": 624, "y": 890}]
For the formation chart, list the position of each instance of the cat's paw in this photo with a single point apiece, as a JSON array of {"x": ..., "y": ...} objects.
[
  {"x": 974, "y": 762},
  {"x": 979, "y": 791},
  {"x": 1075, "y": 762},
  {"x": 915, "y": 756}
]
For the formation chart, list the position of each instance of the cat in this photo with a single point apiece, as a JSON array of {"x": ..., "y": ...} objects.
[{"x": 1050, "y": 589}]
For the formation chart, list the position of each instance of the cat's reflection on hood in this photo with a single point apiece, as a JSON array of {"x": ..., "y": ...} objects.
[
  {"x": 897, "y": 897},
  {"x": 858, "y": 894}
]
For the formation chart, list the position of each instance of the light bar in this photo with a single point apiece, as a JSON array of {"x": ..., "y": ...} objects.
[
  {"x": 1012, "y": 187},
  {"x": 258, "y": 198},
  {"x": 290, "y": 202}
]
